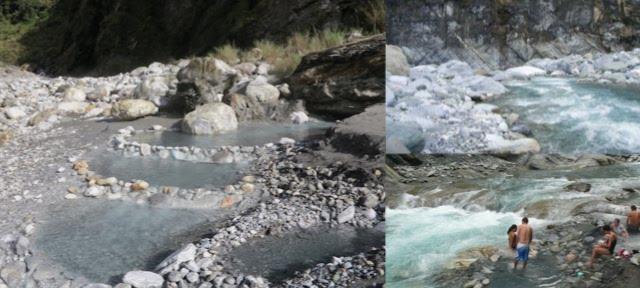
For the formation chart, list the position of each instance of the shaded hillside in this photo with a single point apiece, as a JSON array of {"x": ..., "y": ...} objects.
[
  {"x": 105, "y": 37},
  {"x": 495, "y": 34}
]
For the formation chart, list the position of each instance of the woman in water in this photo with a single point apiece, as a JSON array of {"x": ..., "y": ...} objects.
[{"x": 513, "y": 241}]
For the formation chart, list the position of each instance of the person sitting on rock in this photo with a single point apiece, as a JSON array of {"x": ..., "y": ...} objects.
[
  {"x": 607, "y": 247},
  {"x": 619, "y": 228},
  {"x": 633, "y": 220}
]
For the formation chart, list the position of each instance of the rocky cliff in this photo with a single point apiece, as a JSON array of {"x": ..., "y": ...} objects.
[
  {"x": 112, "y": 36},
  {"x": 495, "y": 34}
]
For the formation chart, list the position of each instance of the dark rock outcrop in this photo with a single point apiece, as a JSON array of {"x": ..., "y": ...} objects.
[
  {"x": 107, "y": 37},
  {"x": 342, "y": 81},
  {"x": 493, "y": 34},
  {"x": 579, "y": 186},
  {"x": 362, "y": 134}
]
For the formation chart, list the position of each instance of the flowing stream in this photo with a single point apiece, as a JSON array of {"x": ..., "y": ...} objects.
[
  {"x": 432, "y": 224},
  {"x": 568, "y": 116}
]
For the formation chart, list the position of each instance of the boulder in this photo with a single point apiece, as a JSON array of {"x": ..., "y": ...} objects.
[
  {"x": 499, "y": 145},
  {"x": 396, "y": 61},
  {"x": 404, "y": 136},
  {"x": 299, "y": 117},
  {"x": 143, "y": 279},
  {"x": 246, "y": 108},
  {"x": 261, "y": 90},
  {"x": 72, "y": 109},
  {"x": 579, "y": 186},
  {"x": 455, "y": 68},
  {"x": 346, "y": 215},
  {"x": 153, "y": 89},
  {"x": 184, "y": 254},
  {"x": 210, "y": 118},
  {"x": 131, "y": 109},
  {"x": 342, "y": 81},
  {"x": 203, "y": 80},
  {"x": 523, "y": 72},
  {"x": 15, "y": 113},
  {"x": 74, "y": 94},
  {"x": 362, "y": 134}
]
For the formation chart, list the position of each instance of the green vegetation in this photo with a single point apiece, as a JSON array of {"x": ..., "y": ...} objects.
[
  {"x": 375, "y": 14},
  {"x": 284, "y": 57},
  {"x": 17, "y": 18}
]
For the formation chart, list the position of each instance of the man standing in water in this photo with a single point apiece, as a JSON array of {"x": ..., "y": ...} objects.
[
  {"x": 525, "y": 235},
  {"x": 633, "y": 220}
]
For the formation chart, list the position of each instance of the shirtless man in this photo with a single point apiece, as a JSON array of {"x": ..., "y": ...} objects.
[
  {"x": 525, "y": 235},
  {"x": 633, "y": 220}
]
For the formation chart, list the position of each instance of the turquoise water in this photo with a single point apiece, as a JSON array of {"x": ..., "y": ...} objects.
[
  {"x": 567, "y": 116},
  {"x": 427, "y": 230},
  {"x": 248, "y": 134},
  {"x": 421, "y": 242}
]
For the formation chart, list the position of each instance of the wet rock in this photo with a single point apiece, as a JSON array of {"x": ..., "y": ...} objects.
[
  {"x": 579, "y": 186},
  {"x": 131, "y": 109},
  {"x": 143, "y": 279},
  {"x": 139, "y": 185},
  {"x": 299, "y": 117},
  {"x": 342, "y": 81},
  {"x": 408, "y": 135},
  {"x": 210, "y": 118}
]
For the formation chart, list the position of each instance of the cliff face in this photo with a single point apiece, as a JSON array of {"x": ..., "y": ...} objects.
[
  {"x": 112, "y": 36},
  {"x": 492, "y": 34}
]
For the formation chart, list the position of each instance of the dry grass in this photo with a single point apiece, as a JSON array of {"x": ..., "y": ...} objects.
[
  {"x": 375, "y": 14},
  {"x": 283, "y": 57}
]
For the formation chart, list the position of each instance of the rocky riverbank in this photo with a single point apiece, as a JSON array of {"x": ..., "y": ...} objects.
[
  {"x": 561, "y": 247},
  {"x": 443, "y": 103},
  {"x": 53, "y": 128}
]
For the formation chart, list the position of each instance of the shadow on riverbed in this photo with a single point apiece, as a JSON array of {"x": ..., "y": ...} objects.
[{"x": 279, "y": 257}]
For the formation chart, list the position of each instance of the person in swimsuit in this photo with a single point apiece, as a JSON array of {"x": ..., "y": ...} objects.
[
  {"x": 633, "y": 220},
  {"x": 619, "y": 228},
  {"x": 606, "y": 248},
  {"x": 524, "y": 235},
  {"x": 513, "y": 241}
]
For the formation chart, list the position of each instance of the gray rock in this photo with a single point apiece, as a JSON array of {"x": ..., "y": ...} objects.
[
  {"x": 131, "y": 109},
  {"x": 97, "y": 285},
  {"x": 192, "y": 277},
  {"x": 369, "y": 201},
  {"x": 154, "y": 90},
  {"x": 396, "y": 61},
  {"x": 184, "y": 254},
  {"x": 94, "y": 191},
  {"x": 262, "y": 90},
  {"x": 12, "y": 273},
  {"x": 74, "y": 95},
  {"x": 347, "y": 214},
  {"x": 210, "y": 118},
  {"x": 143, "y": 279}
]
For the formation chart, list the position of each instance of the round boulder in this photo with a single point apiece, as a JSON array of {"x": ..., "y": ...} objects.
[
  {"x": 74, "y": 94},
  {"x": 210, "y": 118},
  {"x": 262, "y": 90},
  {"x": 131, "y": 109}
]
